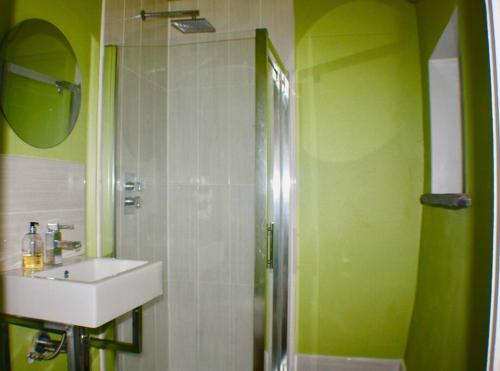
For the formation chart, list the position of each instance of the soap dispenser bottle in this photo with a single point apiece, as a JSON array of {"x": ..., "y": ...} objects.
[{"x": 32, "y": 249}]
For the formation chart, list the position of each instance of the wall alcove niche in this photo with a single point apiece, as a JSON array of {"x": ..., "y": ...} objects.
[{"x": 446, "y": 131}]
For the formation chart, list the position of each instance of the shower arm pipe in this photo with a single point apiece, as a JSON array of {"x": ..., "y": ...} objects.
[{"x": 170, "y": 14}]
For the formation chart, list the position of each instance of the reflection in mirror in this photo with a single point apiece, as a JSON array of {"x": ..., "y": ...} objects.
[{"x": 39, "y": 83}]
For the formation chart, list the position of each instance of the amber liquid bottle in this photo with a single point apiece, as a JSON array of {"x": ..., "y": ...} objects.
[{"x": 32, "y": 249}]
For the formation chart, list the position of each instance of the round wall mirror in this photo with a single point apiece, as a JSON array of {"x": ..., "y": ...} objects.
[{"x": 40, "y": 90}]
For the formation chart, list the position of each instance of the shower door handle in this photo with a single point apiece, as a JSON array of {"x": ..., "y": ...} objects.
[{"x": 270, "y": 246}]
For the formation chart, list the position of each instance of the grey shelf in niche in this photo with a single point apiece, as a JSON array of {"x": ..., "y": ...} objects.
[{"x": 453, "y": 201}]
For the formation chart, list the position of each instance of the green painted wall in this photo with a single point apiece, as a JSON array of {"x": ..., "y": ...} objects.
[
  {"x": 360, "y": 153},
  {"x": 79, "y": 20},
  {"x": 5, "y": 24},
  {"x": 449, "y": 329}
]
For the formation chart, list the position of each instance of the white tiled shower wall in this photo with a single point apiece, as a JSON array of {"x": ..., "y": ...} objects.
[
  {"x": 123, "y": 27},
  {"x": 196, "y": 162},
  {"x": 211, "y": 130},
  {"x": 40, "y": 190}
]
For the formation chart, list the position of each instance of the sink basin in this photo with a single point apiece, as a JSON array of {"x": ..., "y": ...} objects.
[
  {"x": 91, "y": 270},
  {"x": 86, "y": 292}
]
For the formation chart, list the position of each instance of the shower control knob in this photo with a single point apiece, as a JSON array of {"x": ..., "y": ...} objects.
[
  {"x": 133, "y": 201},
  {"x": 133, "y": 186}
]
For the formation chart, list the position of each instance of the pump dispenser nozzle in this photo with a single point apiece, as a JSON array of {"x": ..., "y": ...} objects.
[{"x": 33, "y": 226}]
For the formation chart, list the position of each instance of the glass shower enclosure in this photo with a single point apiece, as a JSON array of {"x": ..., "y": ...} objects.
[{"x": 197, "y": 167}]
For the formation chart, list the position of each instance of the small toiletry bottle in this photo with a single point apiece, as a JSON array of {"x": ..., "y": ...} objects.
[
  {"x": 57, "y": 252},
  {"x": 32, "y": 249},
  {"x": 49, "y": 247},
  {"x": 57, "y": 245}
]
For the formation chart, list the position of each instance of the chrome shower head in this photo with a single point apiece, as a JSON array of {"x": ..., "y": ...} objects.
[
  {"x": 194, "y": 25},
  {"x": 191, "y": 25}
]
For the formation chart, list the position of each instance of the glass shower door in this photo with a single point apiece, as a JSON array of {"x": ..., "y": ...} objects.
[
  {"x": 272, "y": 206},
  {"x": 279, "y": 216},
  {"x": 204, "y": 189}
]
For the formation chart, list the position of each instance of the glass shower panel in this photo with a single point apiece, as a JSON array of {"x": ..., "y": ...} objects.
[
  {"x": 185, "y": 167},
  {"x": 140, "y": 173}
]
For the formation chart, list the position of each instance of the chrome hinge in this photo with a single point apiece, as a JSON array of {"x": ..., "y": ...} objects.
[{"x": 270, "y": 245}]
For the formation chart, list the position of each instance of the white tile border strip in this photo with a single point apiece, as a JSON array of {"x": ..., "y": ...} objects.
[
  {"x": 42, "y": 190},
  {"x": 308, "y": 362}
]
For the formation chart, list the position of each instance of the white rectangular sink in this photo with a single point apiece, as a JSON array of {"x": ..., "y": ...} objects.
[
  {"x": 90, "y": 270},
  {"x": 88, "y": 292}
]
